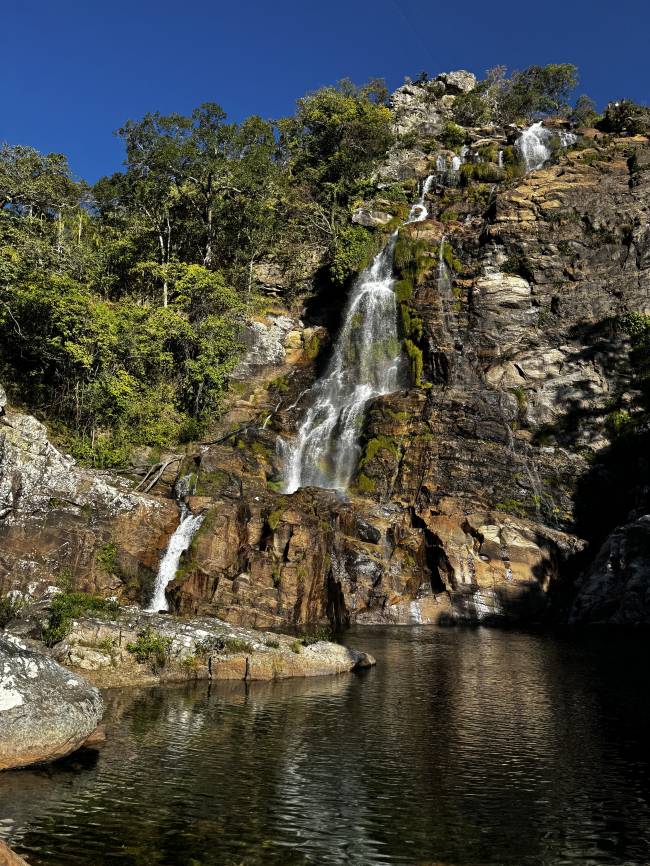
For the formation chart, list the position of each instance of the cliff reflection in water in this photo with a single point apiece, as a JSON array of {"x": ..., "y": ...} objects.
[{"x": 462, "y": 747}]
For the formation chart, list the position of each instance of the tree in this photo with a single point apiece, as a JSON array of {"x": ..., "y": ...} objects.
[
  {"x": 584, "y": 112},
  {"x": 536, "y": 91}
]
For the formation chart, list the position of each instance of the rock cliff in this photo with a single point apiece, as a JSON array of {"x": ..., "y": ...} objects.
[{"x": 485, "y": 489}]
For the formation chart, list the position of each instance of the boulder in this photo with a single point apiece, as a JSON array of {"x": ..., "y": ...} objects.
[
  {"x": 370, "y": 218},
  {"x": 145, "y": 649},
  {"x": 265, "y": 343},
  {"x": 8, "y": 858},
  {"x": 46, "y": 711},
  {"x": 615, "y": 589},
  {"x": 459, "y": 81}
]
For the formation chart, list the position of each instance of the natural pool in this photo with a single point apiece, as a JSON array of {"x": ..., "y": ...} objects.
[{"x": 461, "y": 747}]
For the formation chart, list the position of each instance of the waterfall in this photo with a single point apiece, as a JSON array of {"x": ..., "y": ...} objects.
[
  {"x": 534, "y": 144},
  {"x": 500, "y": 159},
  {"x": 366, "y": 362},
  {"x": 419, "y": 212},
  {"x": 178, "y": 544},
  {"x": 445, "y": 290}
]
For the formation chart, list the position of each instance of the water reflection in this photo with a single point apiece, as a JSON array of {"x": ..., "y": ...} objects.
[{"x": 462, "y": 747}]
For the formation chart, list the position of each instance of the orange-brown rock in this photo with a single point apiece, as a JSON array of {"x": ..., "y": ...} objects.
[{"x": 9, "y": 858}]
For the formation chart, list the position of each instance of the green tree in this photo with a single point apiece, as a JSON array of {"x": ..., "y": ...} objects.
[
  {"x": 584, "y": 112},
  {"x": 536, "y": 91}
]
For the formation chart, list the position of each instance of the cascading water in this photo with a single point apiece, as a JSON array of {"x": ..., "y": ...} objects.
[
  {"x": 534, "y": 144},
  {"x": 178, "y": 544},
  {"x": 445, "y": 292},
  {"x": 419, "y": 212},
  {"x": 367, "y": 362}
]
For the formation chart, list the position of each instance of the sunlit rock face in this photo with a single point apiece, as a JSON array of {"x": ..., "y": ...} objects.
[
  {"x": 482, "y": 485},
  {"x": 56, "y": 517}
]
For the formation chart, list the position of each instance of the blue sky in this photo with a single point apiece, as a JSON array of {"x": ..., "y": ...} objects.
[{"x": 74, "y": 70}]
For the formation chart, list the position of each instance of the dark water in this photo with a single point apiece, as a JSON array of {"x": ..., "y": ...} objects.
[{"x": 462, "y": 747}]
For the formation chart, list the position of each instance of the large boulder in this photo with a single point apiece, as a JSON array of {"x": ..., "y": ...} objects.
[
  {"x": 9, "y": 858},
  {"x": 459, "y": 81},
  {"x": 46, "y": 711},
  {"x": 615, "y": 589}
]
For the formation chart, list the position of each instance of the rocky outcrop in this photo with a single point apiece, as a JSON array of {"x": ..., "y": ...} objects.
[
  {"x": 9, "y": 858},
  {"x": 267, "y": 343},
  {"x": 58, "y": 519},
  {"x": 46, "y": 712},
  {"x": 615, "y": 590},
  {"x": 423, "y": 106},
  {"x": 140, "y": 649}
]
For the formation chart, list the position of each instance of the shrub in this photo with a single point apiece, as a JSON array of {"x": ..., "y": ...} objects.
[
  {"x": 151, "y": 646},
  {"x": 66, "y": 606},
  {"x": 317, "y": 633},
  {"x": 584, "y": 112},
  {"x": 511, "y": 506},
  {"x": 452, "y": 135},
  {"x": 353, "y": 250},
  {"x": 471, "y": 109},
  {"x": 403, "y": 290},
  {"x": 238, "y": 645},
  {"x": 107, "y": 556},
  {"x": 484, "y": 172},
  {"x": 9, "y": 609}
]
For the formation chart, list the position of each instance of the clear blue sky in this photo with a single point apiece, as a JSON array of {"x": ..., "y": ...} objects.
[{"x": 74, "y": 70}]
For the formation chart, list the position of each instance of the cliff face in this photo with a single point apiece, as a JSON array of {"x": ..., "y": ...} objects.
[
  {"x": 484, "y": 489},
  {"x": 60, "y": 523}
]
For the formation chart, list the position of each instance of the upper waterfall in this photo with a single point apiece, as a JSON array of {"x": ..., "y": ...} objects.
[
  {"x": 367, "y": 362},
  {"x": 534, "y": 144}
]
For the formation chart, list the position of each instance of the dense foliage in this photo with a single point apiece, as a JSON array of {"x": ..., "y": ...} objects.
[
  {"x": 121, "y": 304},
  {"x": 525, "y": 95}
]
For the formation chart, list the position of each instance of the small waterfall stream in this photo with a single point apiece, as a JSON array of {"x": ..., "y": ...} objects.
[
  {"x": 178, "y": 544},
  {"x": 367, "y": 361},
  {"x": 534, "y": 144}
]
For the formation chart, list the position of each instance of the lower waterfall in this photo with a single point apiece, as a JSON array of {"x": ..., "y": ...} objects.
[
  {"x": 178, "y": 544},
  {"x": 367, "y": 361}
]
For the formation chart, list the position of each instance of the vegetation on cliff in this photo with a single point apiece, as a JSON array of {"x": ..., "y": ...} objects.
[{"x": 121, "y": 304}]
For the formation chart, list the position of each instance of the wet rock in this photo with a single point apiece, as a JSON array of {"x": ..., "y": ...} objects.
[
  {"x": 370, "y": 218},
  {"x": 46, "y": 712}
]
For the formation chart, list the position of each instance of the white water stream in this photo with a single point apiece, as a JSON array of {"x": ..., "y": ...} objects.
[
  {"x": 534, "y": 144},
  {"x": 367, "y": 361},
  {"x": 178, "y": 544}
]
